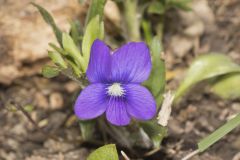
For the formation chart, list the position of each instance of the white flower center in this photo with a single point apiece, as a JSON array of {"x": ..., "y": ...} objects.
[{"x": 115, "y": 90}]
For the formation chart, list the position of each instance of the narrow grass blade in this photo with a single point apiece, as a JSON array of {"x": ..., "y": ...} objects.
[{"x": 219, "y": 133}]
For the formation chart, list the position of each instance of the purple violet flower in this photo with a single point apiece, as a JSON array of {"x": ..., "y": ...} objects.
[{"x": 115, "y": 87}]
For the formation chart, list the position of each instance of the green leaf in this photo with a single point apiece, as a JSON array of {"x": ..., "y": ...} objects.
[
  {"x": 58, "y": 49},
  {"x": 49, "y": 20},
  {"x": 57, "y": 59},
  {"x": 75, "y": 32},
  {"x": 94, "y": 30},
  {"x": 147, "y": 31},
  {"x": 107, "y": 152},
  {"x": 156, "y": 81},
  {"x": 28, "y": 108},
  {"x": 87, "y": 129},
  {"x": 156, "y": 8},
  {"x": 180, "y": 4},
  {"x": 118, "y": 1},
  {"x": 219, "y": 133},
  {"x": 75, "y": 68},
  {"x": 82, "y": 1},
  {"x": 227, "y": 86},
  {"x": 70, "y": 47},
  {"x": 155, "y": 132},
  {"x": 206, "y": 67},
  {"x": 50, "y": 71},
  {"x": 96, "y": 8}
]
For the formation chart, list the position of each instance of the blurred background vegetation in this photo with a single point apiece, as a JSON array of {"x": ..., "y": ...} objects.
[{"x": 189, "y": 32}]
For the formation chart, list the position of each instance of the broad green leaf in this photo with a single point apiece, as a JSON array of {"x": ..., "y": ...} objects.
[
  {"x": 96, "y": 8},
  {"x": 156, "y": 7},
  {"x": 57, "y": 59},
  {"x": 94, "y": 30},
  {"x": 87, "y": 129},
  {"x": 205, "y": 67},
  {"x": 156, "y": 81},
  {"x": 49, "y": 20},
  {"x": 70, "y": 47},
  {"x": 50, "y": 72},
  {"x": 107, "y": 152},
  {"x": 58, "y": 49},
  {"x": 155, "y": 132},
  {"x": 219, "y": 133},
  {"x": 228, "y": 86}
]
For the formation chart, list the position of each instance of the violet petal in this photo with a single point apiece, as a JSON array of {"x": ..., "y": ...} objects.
[
  {"x": 116, "y": 112},
  {"x": 91, "y": 102},
  {"x": 141, "y": 104},
  {"x": 100, "y": 61},
  {"x": 131, "y": 63}
]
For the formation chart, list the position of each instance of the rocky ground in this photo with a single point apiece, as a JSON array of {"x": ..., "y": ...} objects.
[{"x": 212, "y": 26}]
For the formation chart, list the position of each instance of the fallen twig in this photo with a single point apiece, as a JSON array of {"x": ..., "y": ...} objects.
[
  {"x": 125, "y": 156},
  {"x": 190, "y": 155}
]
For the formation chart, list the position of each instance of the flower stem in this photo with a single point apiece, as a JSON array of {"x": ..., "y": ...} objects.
[
  {"x": 72, "y": 77},
  {"x": 132, "y": 20}
]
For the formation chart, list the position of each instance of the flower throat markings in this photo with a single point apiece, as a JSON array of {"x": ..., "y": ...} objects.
[{"x": 115, "y": 90}]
